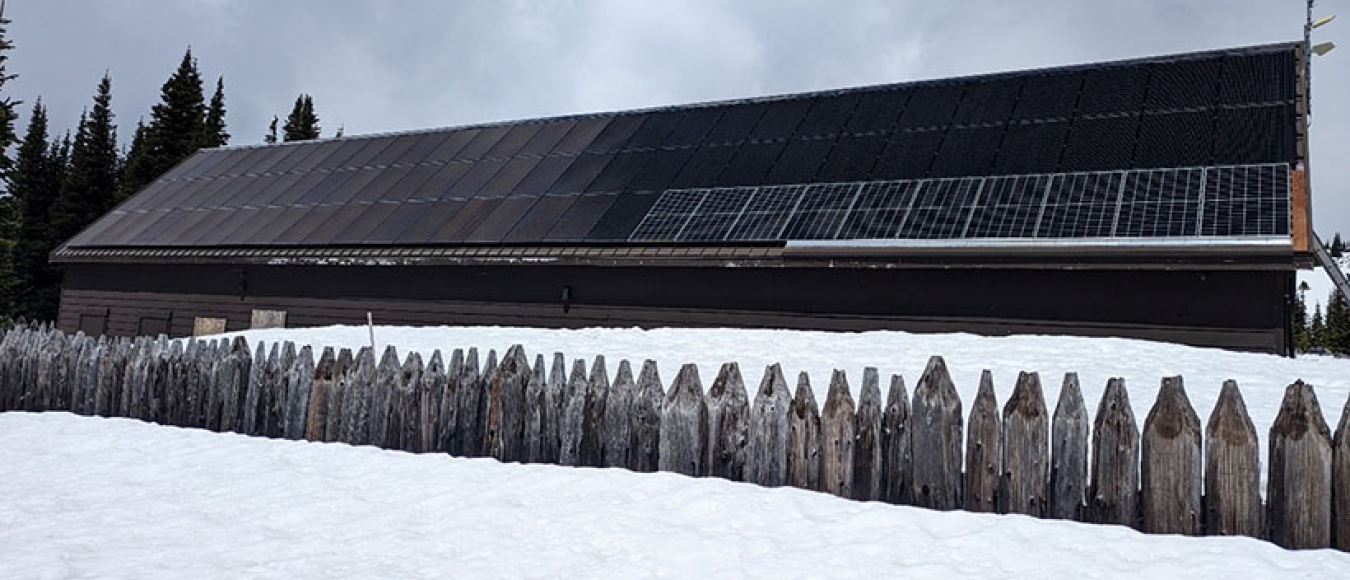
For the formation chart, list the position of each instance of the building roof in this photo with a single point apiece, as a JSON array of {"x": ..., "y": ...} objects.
[{"x": 1196, "y": 146}]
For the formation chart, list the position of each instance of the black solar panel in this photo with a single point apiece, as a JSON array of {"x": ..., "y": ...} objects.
[
  {"x": 1163, "y": 203},
  {"x": 1251, "y": 200},
  {"x": 1009, "y": 207},
  {"x": 1081, "y": 205},
  {"x": 1186, "y": 84}
]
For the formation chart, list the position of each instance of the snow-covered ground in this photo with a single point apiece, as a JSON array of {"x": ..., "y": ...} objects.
[
  {"x": 1262, "y": 378},
  {"x": 114, "y": 498}
]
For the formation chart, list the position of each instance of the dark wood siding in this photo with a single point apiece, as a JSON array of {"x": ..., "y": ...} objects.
[{"x": 1235, "y": 309}]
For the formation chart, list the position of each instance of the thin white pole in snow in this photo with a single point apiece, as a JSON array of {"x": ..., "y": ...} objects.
[{"x": 370, "y": 325}]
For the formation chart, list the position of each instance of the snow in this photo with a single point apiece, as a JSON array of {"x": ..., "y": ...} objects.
[
  {"x": 1261, "y": 377},
  {"x": 115, "y": 498}
]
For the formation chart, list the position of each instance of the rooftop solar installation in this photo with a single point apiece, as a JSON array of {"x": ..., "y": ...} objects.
[{"x": 1192, "y": 145}]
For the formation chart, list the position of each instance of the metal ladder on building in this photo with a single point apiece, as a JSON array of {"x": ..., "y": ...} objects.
[{"x": 1333, "y": 269}]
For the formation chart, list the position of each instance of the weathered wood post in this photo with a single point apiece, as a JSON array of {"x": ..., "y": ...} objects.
[
  {"x": 573, "y": 425},
  {"x": 431, "y": 392},
  {"x": 1232, "y": 468},
  {"x": 897, "y": 463},
  {"x": 232, "y": 376},
  {"x": 406, "y": 417},
  {"x": 645, "y": 449},
  {"x": 592, "y": 434},
  {"x": 1340, "y": 482},
  {"x": 337, "y": 395},
  {"x": 506, "y": 406},
  {"x": 803, "y": 440},
  {"x": 984, "y": 459},
  {"x": 358, "y": 398},
  {"x": 838, "y": 433},
  {"x": 387, "y": 382},
  {"x": 317, "y": 416},
  {"x": 468, "y": 399},
  {"x": 555, "y": 398},
  {"x": 728, "y": 424},
  {"x": 1170, "y": 472},
  {"x": 867, "y": 462},
  {"x": 253, "y": 396},
  {"x": 617, "y": 425},
  {"x": 1298, "y": 488},
  {"x": 447, "y": 416},
  {"x": 766, "y": 457},
  {"x": 1114, "y": 491},
  {"x": 1069, "y": 453},
  {"x": 1026, "y": 448},
  {"x": 536, "y": 412},
  {"x": 299, "y": 386},
  {"x": 684, "y": 425},
  {"x": 936, "y": 439}
]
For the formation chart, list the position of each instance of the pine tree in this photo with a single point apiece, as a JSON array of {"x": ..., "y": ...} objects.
[
  {"x": 90, "y": 187},
  {"x": 1337, "y": 324},
  {"x": 271, "y": 137},
  {"x": 1300, "y": 321},
  {"x": 213, "y": 129},
  {"x": 1337, "y": 246},
  {"x": 1317, "y": 330},
  {"x": 9, "y": 108},
  {"x": 302, "y": 124},
  {"x": 175, "y": 129},
  {"x": 35, "y": 182},
  {"x": 9, "y": 205}
]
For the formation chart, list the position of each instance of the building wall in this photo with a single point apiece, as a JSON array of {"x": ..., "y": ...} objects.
[{"x": 1235, "y": 309}]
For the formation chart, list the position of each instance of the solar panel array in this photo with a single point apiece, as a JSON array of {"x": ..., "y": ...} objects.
[
  {"x": 594, "y": 178},
  {"x": 1247, "y": 200}
]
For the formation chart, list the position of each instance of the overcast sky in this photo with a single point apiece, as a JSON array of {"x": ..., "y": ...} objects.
[{"x": 385, "y": 66}]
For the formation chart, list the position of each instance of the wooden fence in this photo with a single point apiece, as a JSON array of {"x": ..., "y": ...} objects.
[{"x": 1017, "y": 459}]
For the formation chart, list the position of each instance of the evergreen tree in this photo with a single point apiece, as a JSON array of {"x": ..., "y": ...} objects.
[
  {"x": 1317, "y": 330},
  {"x": 90, "y": 187},
  {"x": 9, "y": 108},
  {"x": 1337, "y": 324},
  {"x": 302, "y": 124},
  {"x": 213, "y": 129},
  {"x": 35, "y": 182},
  {"x": 175, "y": 129},
  {"x": 1300, "y": 321},
  {"x": 1337, "y": 246},
  {"x": 271, "y": 137}
]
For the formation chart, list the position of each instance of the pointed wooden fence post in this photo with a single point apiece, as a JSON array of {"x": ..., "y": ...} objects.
[
  {"x": 1026, "y": 448},
  {"x": 897, "y": 463},
  {"x": 1170, "y": 473},
  {"x": 936, "y": 439},
  {"x": 387, "y": 382},
  {"x": 248, "y": 419},
  {"x": 1232, "y": 468},
  {"x": 317, "y": 416},
  {"x": 506, "y": 406},
  {"x": 1298, "y": 488},
  {"x": 555, "y": 398},
  {"x": 299, "y": 386},
  {"x": 592, "y": 434},
  {"x": 337, "y": 395},
  {"x": 645, "y": 449},
  {"x": 447, "y": 416},
  {"x": 803, "y": 444},
  {"x": 766, "y": 458},
  {"x": 358, "y": 399},
  {"x": 617, "y": 426},
  {"x": 431, "y": 393},
  {"x": 1340, "y": 482},
  {"x": 406, "y": 420},
  {"x": 1113, "y": 493},
  {"x": 468, "y": 399},
  {"x": 867, "y": 462},
  {"x": 1069, "y": 452},
  {"x": 536, "y": 412},
  {"x": 728, "y": 424},
  {"x": 684, "y": 425},
  {"x": 573, "y": 424},
  {"x": 984, "y": 459},
  {"x": 838, "y": 432}
]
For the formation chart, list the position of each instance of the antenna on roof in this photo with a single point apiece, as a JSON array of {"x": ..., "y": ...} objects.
[{"x": 1319, "y": 251}]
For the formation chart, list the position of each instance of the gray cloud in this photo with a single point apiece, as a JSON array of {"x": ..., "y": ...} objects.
[{"x": 386, "y": 66}]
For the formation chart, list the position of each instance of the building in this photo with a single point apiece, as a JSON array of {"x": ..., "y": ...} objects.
[{"x": 1161, "y": 198}]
